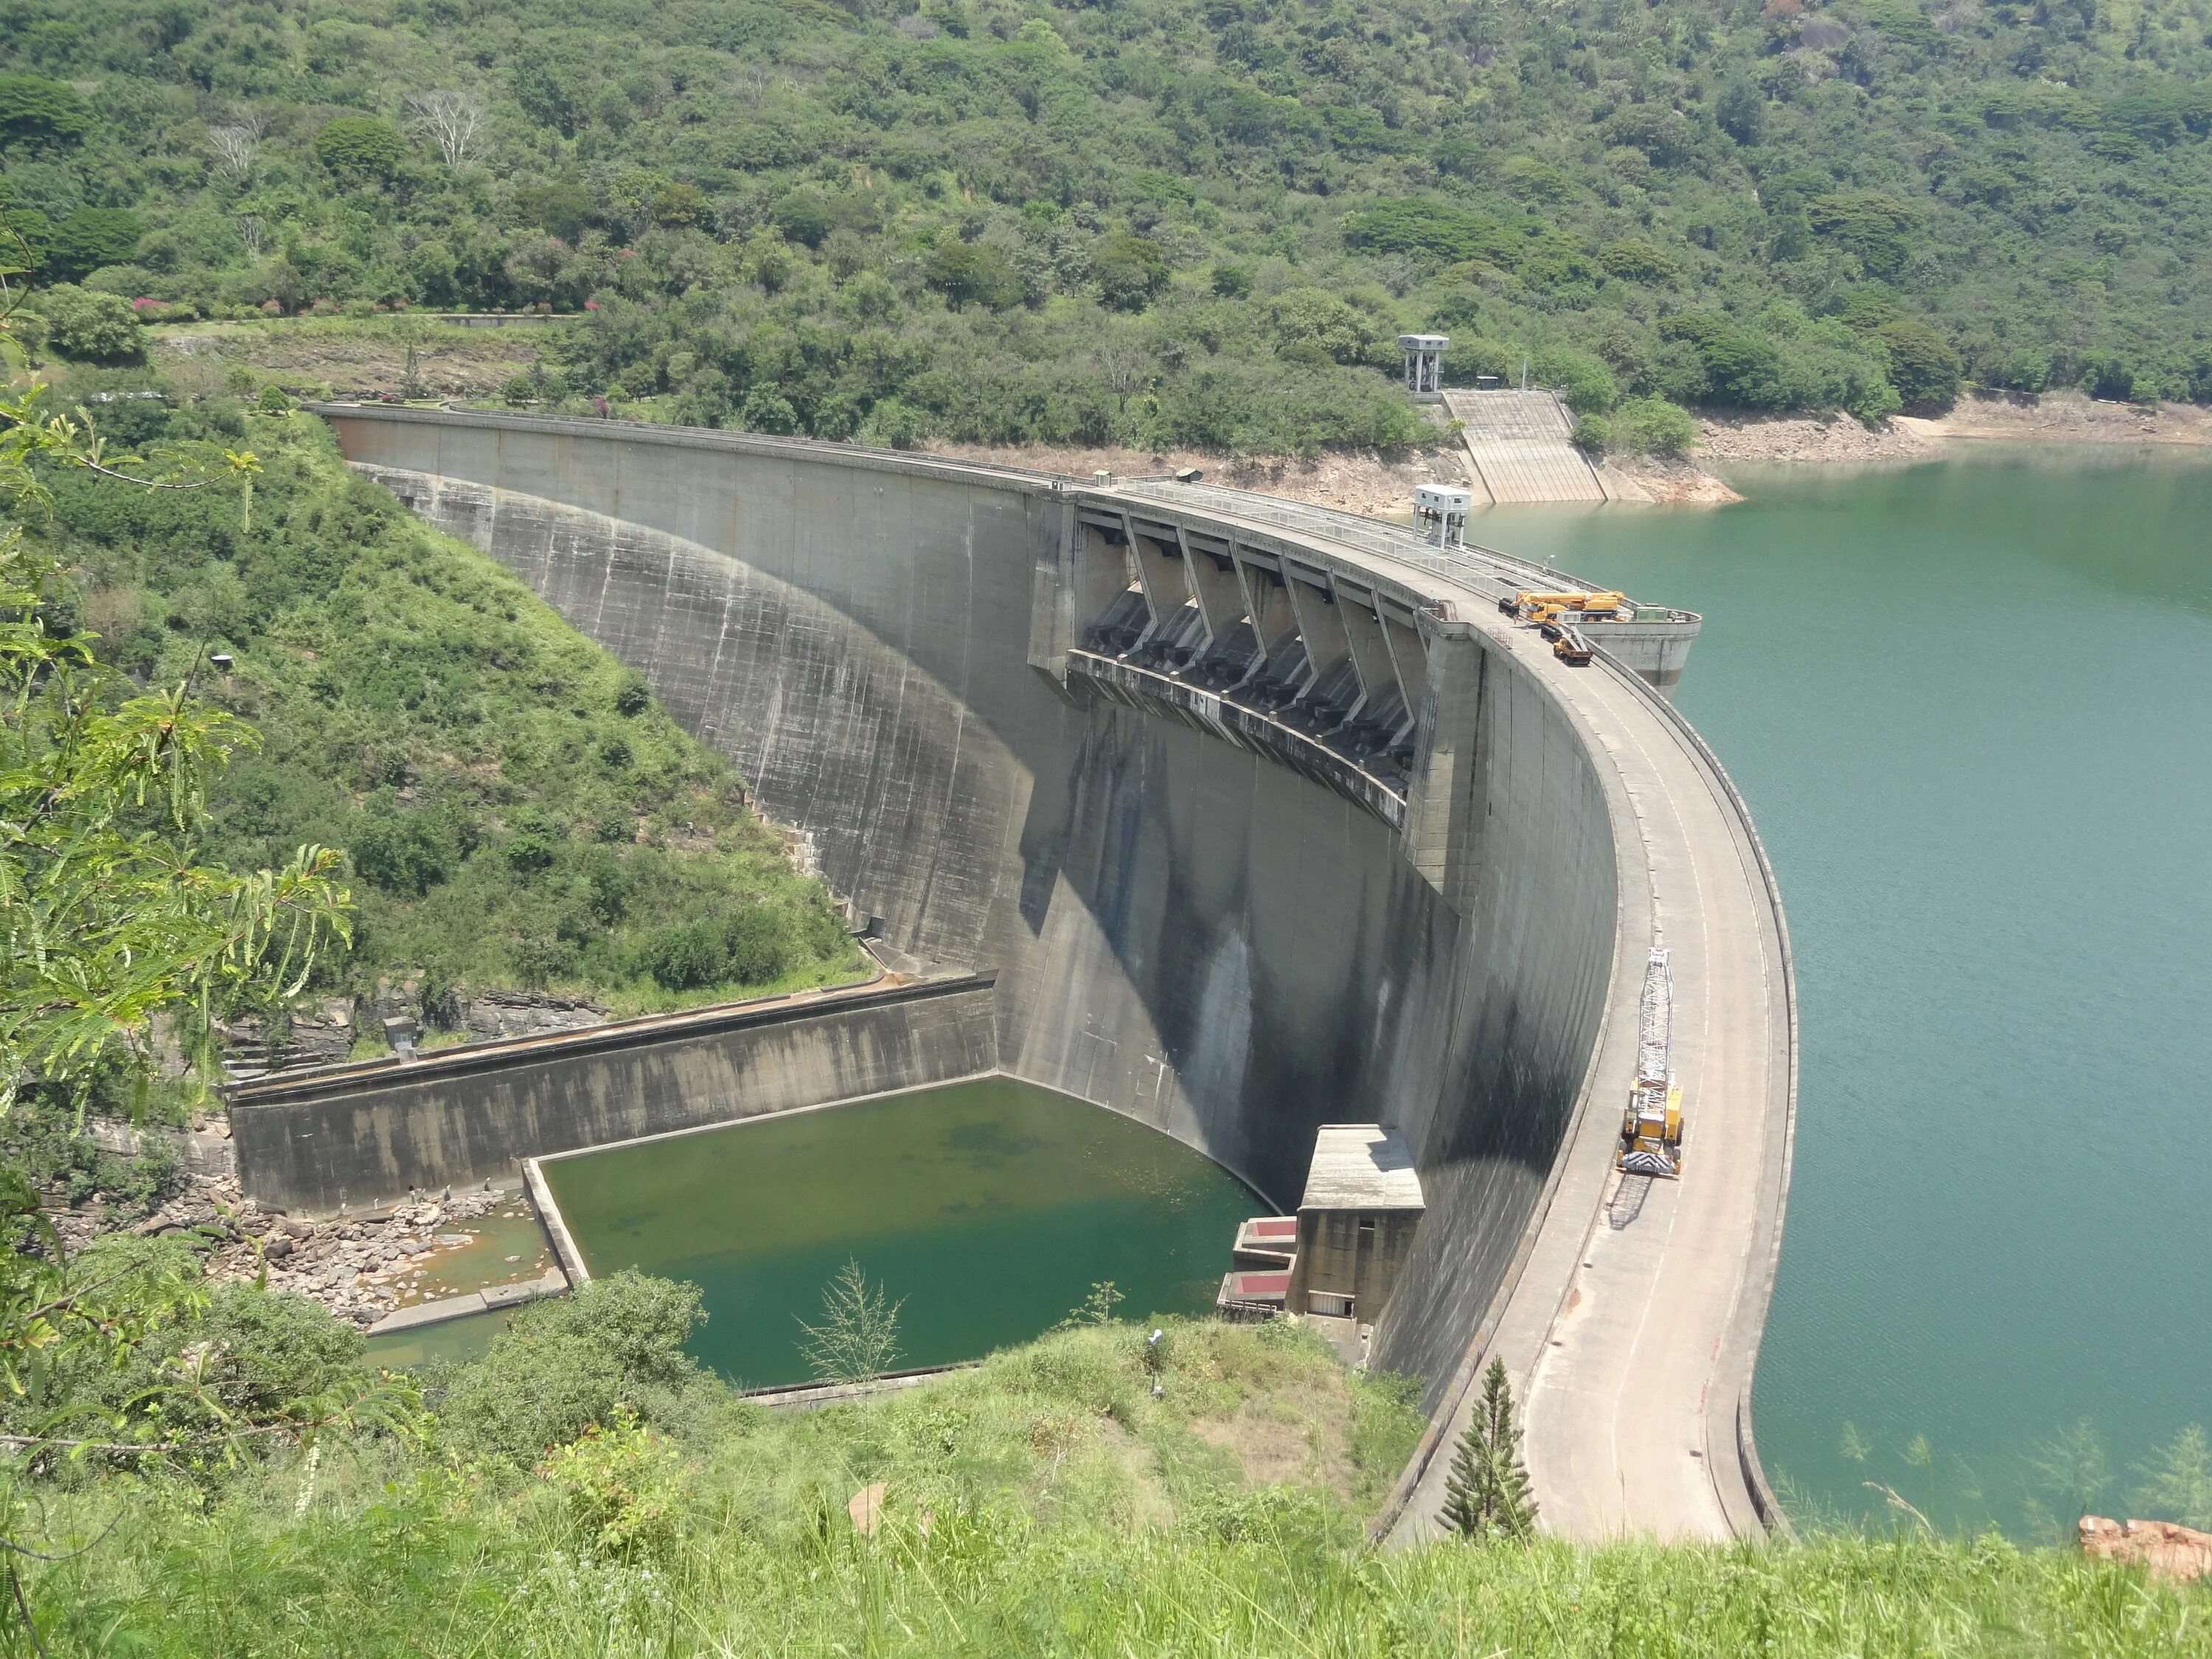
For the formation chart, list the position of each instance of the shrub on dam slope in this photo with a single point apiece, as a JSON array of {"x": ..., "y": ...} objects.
[{"x": 517, "y": 810}]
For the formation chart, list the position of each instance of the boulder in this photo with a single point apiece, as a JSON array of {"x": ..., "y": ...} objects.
[{"x": 2174, "y": 1553}]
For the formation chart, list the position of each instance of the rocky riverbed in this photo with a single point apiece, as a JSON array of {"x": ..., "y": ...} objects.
[{"x": 360, "y": 1266}]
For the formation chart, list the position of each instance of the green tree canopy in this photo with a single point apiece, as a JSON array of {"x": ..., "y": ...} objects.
[
  {"x": 1130, "y": 271},
  {"x": 1923, "y": 367},
  {"x": 36, "y": 113},
  {"x": 360, "y": 147},
  {"x": 92, "y": 237}
]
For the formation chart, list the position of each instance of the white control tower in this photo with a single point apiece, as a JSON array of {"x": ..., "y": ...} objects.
[
  {"x": 1424, "y": 362},
  {"x": 1440, "y": 510}
]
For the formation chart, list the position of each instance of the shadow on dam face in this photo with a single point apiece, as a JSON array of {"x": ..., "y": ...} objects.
[{"x": 1184, "y": 926}]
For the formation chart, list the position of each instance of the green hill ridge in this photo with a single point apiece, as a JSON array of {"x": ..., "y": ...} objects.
[{"x": 1156, "y": 224}]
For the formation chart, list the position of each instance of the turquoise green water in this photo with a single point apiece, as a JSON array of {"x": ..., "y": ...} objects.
[
  {"x": 449, "y": 1338},
  {"x": 990, "y": 1208},
  {"x": 1971, "y": 705}
]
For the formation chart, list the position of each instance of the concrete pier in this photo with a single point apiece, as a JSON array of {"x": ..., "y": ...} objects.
[{"x": 1263, "y": 817}]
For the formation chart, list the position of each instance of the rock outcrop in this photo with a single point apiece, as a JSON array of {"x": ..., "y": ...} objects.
[
  {"x": 2177, "y": 1554},
  {"x": 360, "y": 1266}
]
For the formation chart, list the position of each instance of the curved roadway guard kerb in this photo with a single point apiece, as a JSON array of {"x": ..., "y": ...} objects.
[{"x": 1265, "y": 818}]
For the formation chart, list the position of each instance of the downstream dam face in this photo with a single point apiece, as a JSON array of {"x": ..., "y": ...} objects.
[{"x": 1247, "y": 827}]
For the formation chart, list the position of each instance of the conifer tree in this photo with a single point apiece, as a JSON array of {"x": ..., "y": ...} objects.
[{"x": 1486, "y": 1494}]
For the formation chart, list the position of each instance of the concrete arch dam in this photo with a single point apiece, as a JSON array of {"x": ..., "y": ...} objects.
[{"x": 1247, "y": 818}]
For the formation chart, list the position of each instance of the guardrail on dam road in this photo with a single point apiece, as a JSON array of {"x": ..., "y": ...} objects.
[{"x": 1264, "y": 817}]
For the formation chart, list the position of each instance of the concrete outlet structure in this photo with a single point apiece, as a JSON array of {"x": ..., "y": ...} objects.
[
  {"x": 1356, "y": 1221},
  {"x": 1258, "y": 817}
]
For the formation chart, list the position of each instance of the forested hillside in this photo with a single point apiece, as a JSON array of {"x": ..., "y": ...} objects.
[
  {"x": 515, "y": 808},
  {"x": 1151, "y": 222}
]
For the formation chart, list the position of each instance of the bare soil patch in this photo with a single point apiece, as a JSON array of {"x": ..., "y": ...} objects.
[
  {"x": 1802, "y": 438},
  {"x": 2069, "y": 417},
  {"x": 311, "y": 358},
  {"x": 1293, "y": 1435},
  {"x": 1673, "y": 482}
]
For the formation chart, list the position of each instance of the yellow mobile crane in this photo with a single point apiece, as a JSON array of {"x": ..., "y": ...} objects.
[
  {"x": 1544, "y": 609},
  {"x": 1651, "y": 1127}
]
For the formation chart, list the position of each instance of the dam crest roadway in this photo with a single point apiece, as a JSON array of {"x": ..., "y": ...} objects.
[{"x": 1234, "y": 816}]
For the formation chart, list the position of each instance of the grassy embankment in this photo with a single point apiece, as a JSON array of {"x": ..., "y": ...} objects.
[
  {"x": 1044, "y": 1504},
  {"x": 518, "y": 811}
]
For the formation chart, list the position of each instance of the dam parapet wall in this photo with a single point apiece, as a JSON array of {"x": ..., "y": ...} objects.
[
  {"x": 1261, "y": 821},
  {"x": 357, "y": 1135}
]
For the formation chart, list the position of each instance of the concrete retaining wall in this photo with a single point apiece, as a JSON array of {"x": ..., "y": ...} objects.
[
  {"x": 1184, "y": 930},
  {"x": 360, "y": 1133}
]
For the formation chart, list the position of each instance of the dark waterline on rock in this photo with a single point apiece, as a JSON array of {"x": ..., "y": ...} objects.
[
  {"x": 989, "y": 1209},
  {"x": 1968, "y": 702}
]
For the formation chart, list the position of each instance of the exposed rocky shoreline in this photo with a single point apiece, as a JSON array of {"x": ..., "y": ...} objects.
[
  {"x": 2057, "y": 418},
  {"x": 1837, "y": 438},
  {"x": 360, "y": 1266},
  {"x": 1381, "y": 486}
]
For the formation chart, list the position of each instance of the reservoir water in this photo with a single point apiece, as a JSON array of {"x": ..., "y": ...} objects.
[
  {"x": 1971, "y": 705},
  {"x": 989, "y": 1209}
]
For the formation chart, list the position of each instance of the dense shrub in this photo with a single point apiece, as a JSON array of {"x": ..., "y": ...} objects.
[
  {"x": 1653, "y": 426},
  {"x": 403, "y": 851},
  {"x": 97, "y": 328},
  {"x": 567, "y": 1365},
  {"x": 752, "y": 946}
]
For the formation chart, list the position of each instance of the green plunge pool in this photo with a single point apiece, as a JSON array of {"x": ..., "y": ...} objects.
[{"x": 990, "y": 1207}]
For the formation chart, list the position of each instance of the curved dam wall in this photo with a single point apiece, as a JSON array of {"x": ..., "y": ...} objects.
[{"x": 1196, "y": 915}]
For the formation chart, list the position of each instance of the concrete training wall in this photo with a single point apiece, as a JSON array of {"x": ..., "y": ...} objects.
[
  {"x": 369, "y": 1132},
  {"x": 1185, "y": 931}
]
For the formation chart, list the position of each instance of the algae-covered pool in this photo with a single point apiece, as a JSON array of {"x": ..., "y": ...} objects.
[
  {"x": 466, "y": 1338},
  {"x": 989, "y": 1209}
]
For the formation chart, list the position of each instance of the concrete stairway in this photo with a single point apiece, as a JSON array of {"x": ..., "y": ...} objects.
[{"x": 1519, "y": 443}]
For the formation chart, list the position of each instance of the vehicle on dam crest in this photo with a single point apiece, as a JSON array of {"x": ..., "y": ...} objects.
[{"x": 1651, "y": 1127}]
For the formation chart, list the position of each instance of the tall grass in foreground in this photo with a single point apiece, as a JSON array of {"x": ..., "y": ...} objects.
[
  {"x": 413, "y": 1575},
  {"x": 1044, "y": 1502}
]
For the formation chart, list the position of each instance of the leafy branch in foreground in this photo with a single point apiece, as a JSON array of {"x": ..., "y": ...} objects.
[
  {"x": 106, "y": 917},
  {"x": 108, "y": 920}
]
